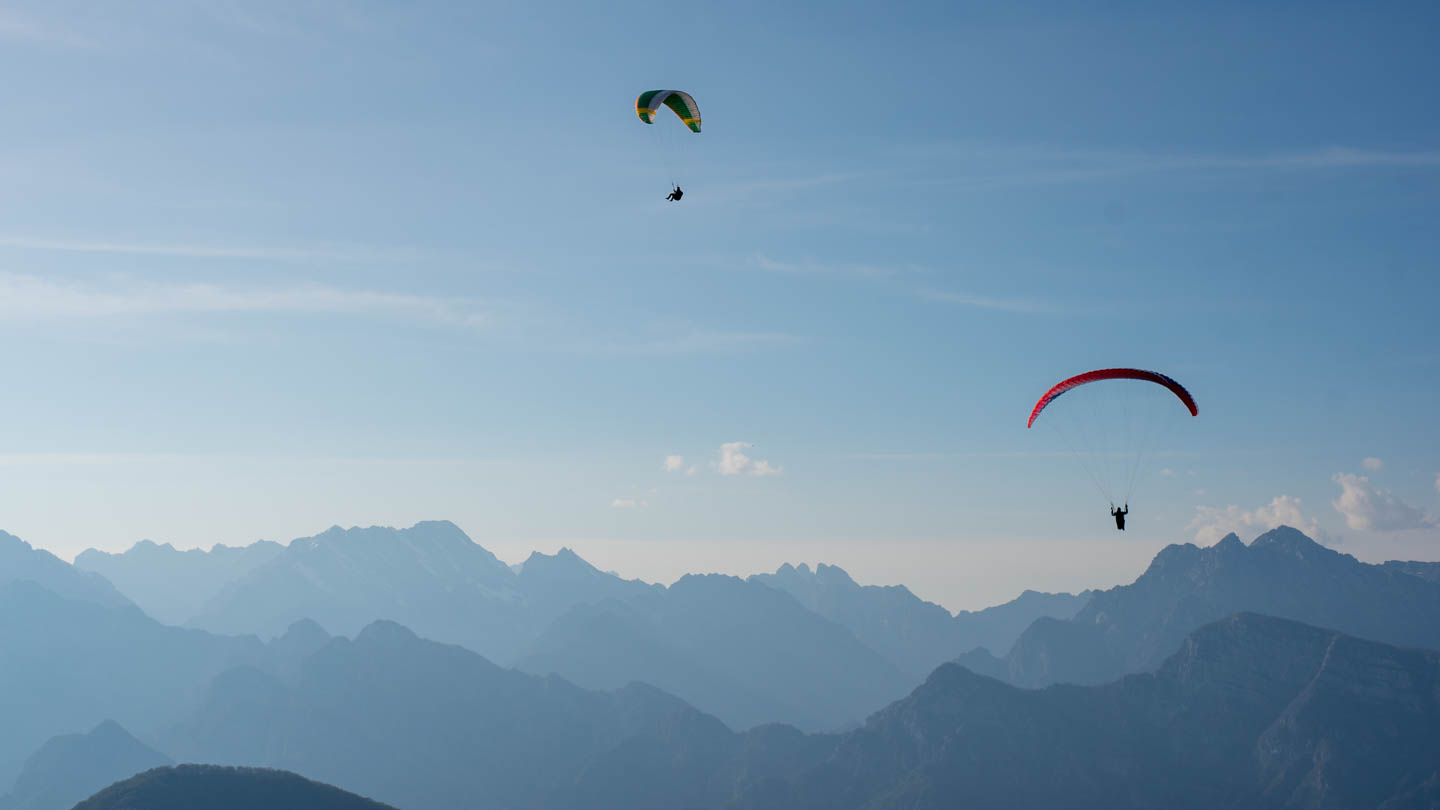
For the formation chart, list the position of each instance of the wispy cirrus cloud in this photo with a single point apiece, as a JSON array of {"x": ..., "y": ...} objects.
[
  {"x": 821, "y": 268},
  {"x": 882, "y": 272},
  {"x": 1018, "y": 305},
  {"x": 936, "y": 456},
  {"x": 194, "y": 251},
  {"x": 988, "y": 166},
  {"x": 33, "y": 298},
  {"x": 1313, "y": 159},
  {"x": 26, "y": 29},
  {"x": 772, "y": 186},
  {"x": 694, "y": 341}
]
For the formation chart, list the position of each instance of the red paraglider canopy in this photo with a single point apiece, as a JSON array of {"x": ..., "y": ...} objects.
[{"x": 1114, "y": 374}]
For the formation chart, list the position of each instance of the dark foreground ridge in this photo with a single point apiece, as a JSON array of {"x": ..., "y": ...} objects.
[
  {"x": 1253, "y": 712},
  {"x": 216, "y": 787}
]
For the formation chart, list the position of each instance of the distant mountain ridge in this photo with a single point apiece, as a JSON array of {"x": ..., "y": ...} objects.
[
  {"x": 67, "y": 664},
  {"x": 1133, "y": 628},
  {"x": 430, "y": 577},
  {"x": 1424, "y": 570},
  {"x": 19, "y": 561},
  {"x": 738, "y": 649},
  {"x": 71, "y": 767},
  {"x": 172, "y": 585},
  {"x": 434, "y": 579},
  {"x": 425, "y": 725},
  {"x": 557, "y": 613},
  {"x": 346, "y": 578},
  {"x": 917, "y": 635},
  {"x": 1249, "y": 711}
]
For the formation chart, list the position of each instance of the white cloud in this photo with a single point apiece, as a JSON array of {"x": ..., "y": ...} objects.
[
  {"x": 1437, "y": 482},
  {"x": 734, "y": 461},
  {"x": 674, "y": 463},
  {"x": 690, "y": 470},
  {"x": 628, "y": 503},
  {"x": 1167, "y": 472},
  {"x": 1373, "y": 464},
  {"x": 1211, "y": 523},
  {"x": 30, "y": 298},
  {"x": 1369, "y": 509}
]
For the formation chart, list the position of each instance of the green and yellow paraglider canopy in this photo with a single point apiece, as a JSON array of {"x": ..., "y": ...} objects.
[{"x": 678, "y": 100}]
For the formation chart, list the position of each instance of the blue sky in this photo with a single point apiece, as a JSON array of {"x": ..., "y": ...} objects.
[{"x": 268, "y": 267}]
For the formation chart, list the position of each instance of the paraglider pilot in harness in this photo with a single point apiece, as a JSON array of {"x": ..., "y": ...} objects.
[
  {"x": 1119, "y": 515},
  {"x": 676, "y": 195}
]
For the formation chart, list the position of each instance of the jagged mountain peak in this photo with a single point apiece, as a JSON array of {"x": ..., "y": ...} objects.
[
  {"x": 564, "y": 559},
  {"x": 435, "y": 532},
  {"x": 1031, "y": 593},
  {"x": 1291, "y": 541},
  {"x": 109, "y": 729},
  {"x": 1284, "y": 539},
  {"x": 833, "y": 573},
  {"x": 821, "y": 573},
  {"x": 438, "y": 547},
  {"x": 1228, "y": 648},
  {"x": 551, "y": 583},
  {"x": 14, "y": 552},
  {"x": 430, "y": 576},
  {"x": 304, "y": 630},
  {"x": 707, "y": 579},
  {"x": 384, "y": 632}
]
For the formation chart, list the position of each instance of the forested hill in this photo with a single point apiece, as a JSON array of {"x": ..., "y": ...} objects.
[{"x": 216, "y": 787}]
